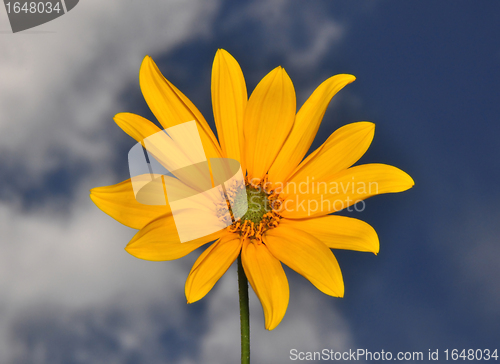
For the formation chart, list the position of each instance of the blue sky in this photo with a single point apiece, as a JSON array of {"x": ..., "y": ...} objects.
[{"x": 427, "y": 76}]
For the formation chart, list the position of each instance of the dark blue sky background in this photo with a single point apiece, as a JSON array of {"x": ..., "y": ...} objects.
[{"x": 427, "y": 76}]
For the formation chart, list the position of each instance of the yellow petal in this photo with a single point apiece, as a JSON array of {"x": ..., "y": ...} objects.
[
  {"x": 229, "y": 99},
  {"x": 344, "y": 189},
  {"x": 119, "y": 202},
  {"x": 308, "y": 256},
  {"x": 171, "y": 107},
  {"x": 269, "y": 117},
  {"x": 211, "y": 265},
  {"x": 268, "y": 280},
  {"x": 168, "y": 152},
  {"x": 305, "y": 127},
  {"x": 339, "y": 232},
  {"x": 159, "y": 241},
  {"x": 340, "y": 151},
  {"x": 136, "y": 126}
]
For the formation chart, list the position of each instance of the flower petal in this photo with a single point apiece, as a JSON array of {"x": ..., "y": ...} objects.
[
  {"x": 159, "y": 241},
  {"x": 308, "y": 256},
  {"x": 136, "y": 126},
  {"x": 318, "y": 198},
  {"x": 268, "y": 280},
  {"x": 340, "y": 151},
  {"x": 211, "y": 265},
  {"x": 119, "y": 202},
  {"x": 169, "y": 153},
  {"x": 339, "y": 232},
  {"x": 229, "y": 99},
  {"x": 269, "y": 117},
  {"x": 305, "y": 127},
  {"x": 171, "y": 107}
]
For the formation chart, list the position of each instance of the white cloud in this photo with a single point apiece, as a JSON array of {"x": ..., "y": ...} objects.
[
  {"x": 76, "y": 263},
  {"x": 60, "y": 88},
  {"x": 304, "y": 38},
  {"x": 301, "y": 37},
  {"x": 474, "y": 253},
  {"x": 60, "y": 83},
  {"x": 310, "y": 324}
]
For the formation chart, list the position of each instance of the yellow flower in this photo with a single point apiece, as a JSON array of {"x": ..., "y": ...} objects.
[{"x": 290, "y": 199}]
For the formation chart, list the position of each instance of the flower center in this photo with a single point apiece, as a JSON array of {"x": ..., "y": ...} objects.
[
  {"x": 262, "y": 213},
  {"x": 258, "y": 205}
]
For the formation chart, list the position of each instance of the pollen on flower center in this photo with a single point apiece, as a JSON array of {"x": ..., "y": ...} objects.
[
  {"x": 262, "y": 214},
  {"x": 258, "y": 204}
]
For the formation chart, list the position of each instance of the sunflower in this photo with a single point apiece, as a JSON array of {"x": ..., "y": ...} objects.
[{"x": 290, "y": 199}]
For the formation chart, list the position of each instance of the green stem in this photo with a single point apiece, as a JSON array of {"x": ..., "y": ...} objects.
[{"x": 244, "y": 314}]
